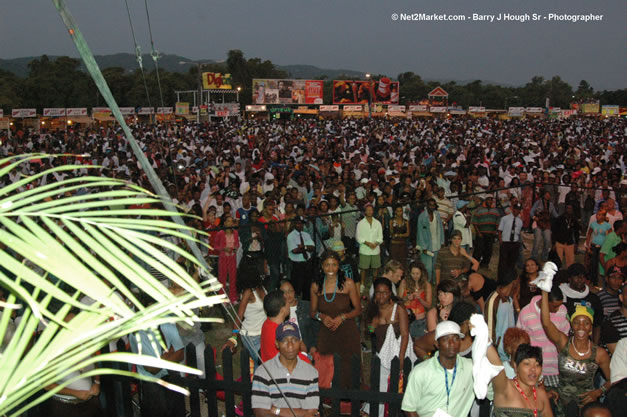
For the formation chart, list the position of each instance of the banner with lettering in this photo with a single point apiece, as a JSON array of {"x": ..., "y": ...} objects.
[
  {"x": 21, "y": 113},
  {"x": 216, "y": 80},
  {"x": 76, "y": 111},
  {"x": 54, "y": 112}
]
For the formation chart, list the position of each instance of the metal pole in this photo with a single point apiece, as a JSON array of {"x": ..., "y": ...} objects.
[{"x": 200, "y": 92}]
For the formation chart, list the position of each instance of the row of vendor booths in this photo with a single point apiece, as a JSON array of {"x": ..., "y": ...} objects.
[
  {"x": 63, "y": 118},
  {"x": 377, "y": 110},
  {"x": 413, "y": 111}
]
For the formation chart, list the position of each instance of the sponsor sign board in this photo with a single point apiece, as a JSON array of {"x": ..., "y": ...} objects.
[
  {"x": 146, "y": 110},
  {"x": 534, "y": 110},
  {"x": 332, "y": 107},
  {"x": 267, "y": 91},
  {"x": 418, "y": 107},
  {"x": 397, "y": 109},
  {"x": 476, "y": 109},
  {"x": 54, "y": 112},
  {"x": 165, "y": 110},
  {"x": 215, "y": 80},
  {"x": 383, "y": 91},
  {"x": 76, "y": 111},
  {"x": 610, "y": 110},
  {"x": 101, "y": 110},
  {"x": 127, "y": 111},
  {"x": 516, "y": 111},
  {"x": 256, "y": 107},
  {"x": 352, "y": 108},
  {"x": 23, "y": 113},
  {"x": 182, "y": 108},
  {"x": 437, "y": 109}
]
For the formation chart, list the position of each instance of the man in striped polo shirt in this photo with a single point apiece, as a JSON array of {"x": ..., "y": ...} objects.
[
  {"x": 485, "y": 220},
  {"x": 529, "y": 320},
  {"x": 297, "y": 380}
]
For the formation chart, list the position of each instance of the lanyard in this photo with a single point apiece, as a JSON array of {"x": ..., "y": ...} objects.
[
  {"x": 535, "y": 403},
  {"x": 448, "y": 389}
]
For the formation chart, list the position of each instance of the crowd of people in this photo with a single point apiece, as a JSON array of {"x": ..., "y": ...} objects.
[{"x": 379, "y": 234}]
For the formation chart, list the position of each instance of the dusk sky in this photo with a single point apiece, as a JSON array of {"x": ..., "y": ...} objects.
[{"x": 348, "y": 34}]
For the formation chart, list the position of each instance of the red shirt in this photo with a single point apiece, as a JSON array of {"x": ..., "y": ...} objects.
[{"x": 268, "y": 345}]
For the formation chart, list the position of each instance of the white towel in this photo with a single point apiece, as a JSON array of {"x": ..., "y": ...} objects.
[
  {"x": 544, "y": 281},
  {"x": 482, "y": 370}
]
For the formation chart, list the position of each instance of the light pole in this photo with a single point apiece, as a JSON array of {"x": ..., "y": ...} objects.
[{"x": 369, "y": 95}]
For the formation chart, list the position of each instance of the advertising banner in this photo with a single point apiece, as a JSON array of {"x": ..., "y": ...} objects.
[
  {"x": 330, "y": 108},
  {"x": 165, "y": 110},
  {"x": 256, "y": 107},
  {"x": 23, "y": 113},
  {"x": 383, "y": 91},
  {"x": 226, "y": 109},
  {"x": 396, "y": 109},
  {"x": 76, "y": 111},
  {"x": 215, "y": 80},
  {"x": 534, "y": 110},
  {"x": 127, "y": 111},
  {"x": 437, "y": 109},
  {"x": 610, "y": 110},
  {"x": 418, "y": 107},
  {"x": 569, "y": 113},
  {"x": 101, "y": 110},
  {"x": 516, "y": 111},
  {"x": 182, "y": 108},
  {"x": 54, "y": 112},
  {"x": 146, "y": 110},
  {"x": 476, "y": 109},
  {"x": 590, "y": 107},
  {"x": 267, "y": 91},
  {"x": 352, "y": 108}
]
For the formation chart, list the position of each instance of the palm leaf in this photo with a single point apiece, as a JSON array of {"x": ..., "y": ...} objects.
[{"x": 59, "y": 249}]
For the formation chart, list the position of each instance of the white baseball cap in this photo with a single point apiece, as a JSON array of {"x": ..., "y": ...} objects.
[{"x": 447, "y": 327}]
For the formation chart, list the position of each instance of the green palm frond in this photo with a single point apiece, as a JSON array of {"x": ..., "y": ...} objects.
[{"x": 75, "y": 240}]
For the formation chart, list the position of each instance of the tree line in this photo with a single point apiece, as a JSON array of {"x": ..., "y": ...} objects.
[{"x": 62, "y": 83}]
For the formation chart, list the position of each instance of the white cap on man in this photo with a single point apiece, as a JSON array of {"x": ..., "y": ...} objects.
[{"x": 447, "y": 327}]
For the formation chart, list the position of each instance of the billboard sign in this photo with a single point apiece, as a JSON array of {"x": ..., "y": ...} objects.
[
  {"x": 182, "y": 108},
  {"x": 330, "y": 108},
  {"x": 256, "y": 107},
  {"x": 165, "y": 110},
  {"x": 437, "y": 109},
  {"x": 396, "y": 109},
  {"x": 267, "y": 91},
  {"x": 23, "y": 113},
  {"x": 590, "y": 107},
  {"x": 146, "y": 110},
  {"x": 516, "y": 111},
  {"x": 216, "y": 81},
  {"x": 127, "y": 111},
  {"x": 352, "y": 108},
  {"x": 226, "y": 109},
  {"x": 610, "y": 110},
  {"x": 76, "y": 111},
  {"x": 476, "y": 109},
  {"x": 383, "y": 91},
  {"x": 418, "y": 107},
  {"x": 534, "y": 110},
  {"x": 54, "y": 112},
  {"x": 101, "y": 110}
]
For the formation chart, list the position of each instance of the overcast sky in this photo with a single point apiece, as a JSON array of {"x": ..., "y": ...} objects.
[{"x": 347, "y": 34}]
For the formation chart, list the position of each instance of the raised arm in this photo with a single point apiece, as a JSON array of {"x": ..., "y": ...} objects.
[{"x": 558, "y": 338}]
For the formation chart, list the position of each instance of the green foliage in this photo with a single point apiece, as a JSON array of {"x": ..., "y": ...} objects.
[
  {"x": 61, "y": 82},
  {"x": 57, "y": 247}
]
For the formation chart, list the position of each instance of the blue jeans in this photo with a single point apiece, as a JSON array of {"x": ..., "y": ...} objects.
[
  {"x": 429, "y": 263},
  {"x": 541, "y": 238},
  {"x": 253, "y": 345}
]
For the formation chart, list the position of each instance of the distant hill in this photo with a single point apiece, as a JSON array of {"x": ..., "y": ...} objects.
[{"x": 169, "y": 62}]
